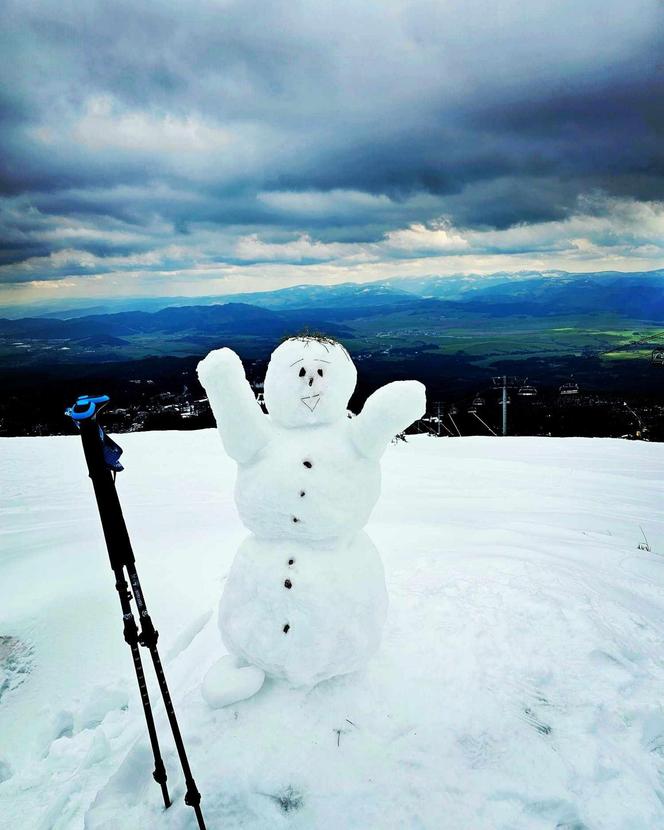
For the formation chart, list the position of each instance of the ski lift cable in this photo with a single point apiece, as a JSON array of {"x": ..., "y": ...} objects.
[
  {"x": 424, "y": 427},
  {"x": 427, "y": 428},
  {"x": 455, "y": 426},
  {"x": 446, "y": 428},
  {"x": 638, "y": 419},
  {"x": 482, "y": 422}
]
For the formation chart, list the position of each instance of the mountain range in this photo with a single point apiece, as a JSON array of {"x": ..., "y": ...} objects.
[
  {"x": 452, "y": 333},
  {"x": 607, "y": 290},
  {"x": 272, "y": 313}
]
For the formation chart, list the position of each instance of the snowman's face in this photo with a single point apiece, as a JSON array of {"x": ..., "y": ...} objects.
[{"x": 308, "y": 382}]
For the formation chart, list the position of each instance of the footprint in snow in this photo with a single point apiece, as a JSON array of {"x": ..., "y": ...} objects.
[
  {"x": 480, "y": 750},
  {"x": 5, "y": 771},
  {"x": 289, "y": 800},
  {"x": 531, "y": 718},
  {"x": 15, "y": 663},
  {"x": 652, "y": 735}
]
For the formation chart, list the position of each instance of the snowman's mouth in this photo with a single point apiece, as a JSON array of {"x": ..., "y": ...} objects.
[{"x": 311, "y": 402}]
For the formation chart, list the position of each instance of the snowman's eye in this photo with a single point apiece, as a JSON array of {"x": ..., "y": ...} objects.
[
  {"x": 320, "y": 372},
  {"x": 303, "y": 372}
]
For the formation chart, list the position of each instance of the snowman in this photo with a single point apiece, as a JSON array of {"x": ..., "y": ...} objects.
[{"x": 305, "y": 598}]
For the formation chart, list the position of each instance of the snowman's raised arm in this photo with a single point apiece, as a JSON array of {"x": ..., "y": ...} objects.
[
  {"x": 390, "y": 410},
  {"x": 243, "y": 427}
]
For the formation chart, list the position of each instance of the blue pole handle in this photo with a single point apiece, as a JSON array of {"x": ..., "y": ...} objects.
[{"x": 86, "y": 406}]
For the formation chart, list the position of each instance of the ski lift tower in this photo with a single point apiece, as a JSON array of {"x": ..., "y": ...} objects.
[{"x": 505, "y": 382}]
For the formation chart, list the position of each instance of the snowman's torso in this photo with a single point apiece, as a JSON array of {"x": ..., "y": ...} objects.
[{"x": 309, "y": 484}]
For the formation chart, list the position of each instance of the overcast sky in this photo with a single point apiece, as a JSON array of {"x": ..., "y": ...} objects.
[{"x": 162, "y": 148}]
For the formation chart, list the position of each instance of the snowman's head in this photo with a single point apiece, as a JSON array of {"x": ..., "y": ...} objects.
[{"x": 309, "y": 381}]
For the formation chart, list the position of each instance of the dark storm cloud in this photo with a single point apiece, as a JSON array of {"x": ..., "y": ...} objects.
[{"x": 127, "y": 127}]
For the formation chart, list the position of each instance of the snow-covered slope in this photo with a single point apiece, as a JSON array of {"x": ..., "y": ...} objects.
[{"x": 519, "y": 685}]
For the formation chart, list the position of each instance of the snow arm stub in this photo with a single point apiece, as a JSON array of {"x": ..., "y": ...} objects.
[
  {"x": 243, "y": 427},
  {"x": 390, "y": 410}
]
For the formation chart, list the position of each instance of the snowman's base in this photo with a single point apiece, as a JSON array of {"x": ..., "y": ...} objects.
[
  {"x": 229, "y": 681},
  {"x": 304, "y": 612}
]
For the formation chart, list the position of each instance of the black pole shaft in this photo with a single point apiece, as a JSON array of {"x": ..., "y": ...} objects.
[
  {"x": 119, "y": 551},
  {"x": 110, "y": 511},
  {"x": 148, "y": 637},
  {"x": 131, "y": 638}
]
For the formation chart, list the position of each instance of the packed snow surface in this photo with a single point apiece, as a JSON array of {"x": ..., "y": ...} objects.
[{"x": 519, "y": 683}]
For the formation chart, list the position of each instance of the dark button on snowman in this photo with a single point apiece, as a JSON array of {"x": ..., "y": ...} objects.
[{"x": 308, "y": 479}]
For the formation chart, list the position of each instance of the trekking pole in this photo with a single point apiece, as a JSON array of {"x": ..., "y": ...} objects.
[{"x": 102, "y": 457}]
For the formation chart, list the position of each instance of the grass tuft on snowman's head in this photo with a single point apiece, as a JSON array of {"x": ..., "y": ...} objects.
[{"x": 308, "y": 334}]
